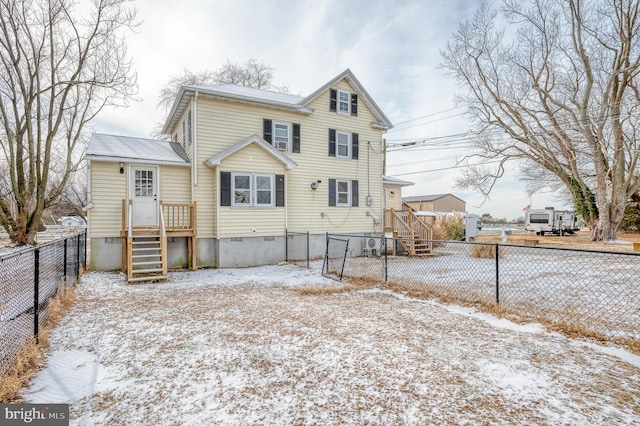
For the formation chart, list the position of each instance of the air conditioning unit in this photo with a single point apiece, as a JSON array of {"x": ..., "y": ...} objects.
[{"x": 371, "y": 246}]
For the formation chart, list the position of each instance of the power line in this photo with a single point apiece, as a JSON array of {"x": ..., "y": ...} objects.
[
  {"x": 428, "y": 115},
  {"x": 444, "y": 168}
]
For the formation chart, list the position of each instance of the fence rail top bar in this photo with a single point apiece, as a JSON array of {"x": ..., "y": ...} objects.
[{"x": 27, "y": 249}]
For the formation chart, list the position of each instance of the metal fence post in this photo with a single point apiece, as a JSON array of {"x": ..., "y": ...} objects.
[
  {"x": 286, "y": 245},
  {"x": 386, "y": 265},
  {"x": 307, "y": 249},
  {"x": 84, "y": 241},
  {"x": 77, "y": 258},
  {"x": 36, "y": 292},
  {"x": 497, "y": 273},
  {"x": 64, "y": 268}
]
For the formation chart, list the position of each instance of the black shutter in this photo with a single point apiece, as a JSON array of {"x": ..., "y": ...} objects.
[
  {"x": 332, "y": 142},
  {"x": 279, "y": 190},
  {"x": 266, "y": 129},
  {"x": 296, "y": 138},
  {"x": 354, "y": 193},
  {"x": 354, "y": 146},
  {"x": 354, "y": 104},
  {"x": 225, "y": 188},
  {"x": 332, "y": 192},
  {"x": 334, "y": 100}
]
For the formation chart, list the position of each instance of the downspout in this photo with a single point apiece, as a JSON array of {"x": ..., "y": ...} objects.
[{"x": 195, "y": 139}]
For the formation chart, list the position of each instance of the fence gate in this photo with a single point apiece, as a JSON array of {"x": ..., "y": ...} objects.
[{"x": 334, "y": 258}]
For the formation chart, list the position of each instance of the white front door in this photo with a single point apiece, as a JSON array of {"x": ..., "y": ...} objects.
[{"x": 144, "y": 193}]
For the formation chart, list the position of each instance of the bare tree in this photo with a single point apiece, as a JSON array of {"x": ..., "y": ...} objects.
[
  {"x": 61, "y": 62},
  {"x": 557, "y": 86},
  {"x": 252, "y": 73}
]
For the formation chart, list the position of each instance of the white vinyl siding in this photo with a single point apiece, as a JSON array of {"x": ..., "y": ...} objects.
[
  {"x": 108, "y": 189},
  {"x": 221, "y": 124}
]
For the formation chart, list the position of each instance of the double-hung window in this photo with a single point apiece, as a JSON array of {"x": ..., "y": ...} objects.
[
  {"x": 344, "y": 102},
  {"x": 343, "y": 142},
  {"x": 252, "y": 190},
  {"x": 343, "y": 193},
  {"x": 264, "y": 190},
  {"x": 282, "y": 136}
]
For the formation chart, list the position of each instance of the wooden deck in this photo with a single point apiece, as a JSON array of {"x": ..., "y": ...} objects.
[{"x": 144, "y": 248}]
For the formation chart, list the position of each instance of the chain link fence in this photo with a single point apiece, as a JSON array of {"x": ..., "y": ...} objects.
[
  {"x": 30, "y": 278},
  {"x": 592, "y": 293},
  {"x": 297, "y": 248}
]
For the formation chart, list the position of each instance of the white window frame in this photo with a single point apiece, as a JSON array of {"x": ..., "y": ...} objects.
[
  {"x": 340, "y": 102},
  {"x": 271, "y": 190},
  {"x": 253, "y": 190},
  {"x": 289, "y": 136},
  {"x": 338, "y": 192},
  {"x": 348, "y": 144},
  {"x": 233, "y": 189}
]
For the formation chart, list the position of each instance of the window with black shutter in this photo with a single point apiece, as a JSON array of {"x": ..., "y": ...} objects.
[
  {"x": 279, "y": 190},
  {"x": 333, "y": 99},
  {"x": 225, "y": 188},
  {"x": 354, "y": 104},
  {"x": 332, "y": 142},
  {"x": 296, "y": 138},
  {"x": 354, "y": 146},
  {"x": 267, "y": 129}
]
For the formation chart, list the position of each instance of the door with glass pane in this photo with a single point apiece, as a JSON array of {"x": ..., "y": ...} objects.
[{"x": 144, "y": 193}]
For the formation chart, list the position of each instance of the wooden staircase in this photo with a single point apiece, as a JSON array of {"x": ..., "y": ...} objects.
[
  {"x": 146, "y": 255},
  {"x": 414, "y": 235}
]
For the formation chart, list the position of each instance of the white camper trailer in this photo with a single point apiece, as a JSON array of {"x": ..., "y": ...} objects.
[{"x": 551, "y": 221}]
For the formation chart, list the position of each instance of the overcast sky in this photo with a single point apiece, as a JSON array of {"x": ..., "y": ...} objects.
[{"x": 393, "y": 48}]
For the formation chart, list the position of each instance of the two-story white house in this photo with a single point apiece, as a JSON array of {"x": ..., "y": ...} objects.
[{"x": 242, "y": 166}]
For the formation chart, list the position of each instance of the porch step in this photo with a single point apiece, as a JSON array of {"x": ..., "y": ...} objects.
[
  {"x": 146, "y": 257},
  {"x": 147, "y": 278}
]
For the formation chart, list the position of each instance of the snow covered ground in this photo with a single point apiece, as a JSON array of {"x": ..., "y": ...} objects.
[{"x": 247, "y": 346}]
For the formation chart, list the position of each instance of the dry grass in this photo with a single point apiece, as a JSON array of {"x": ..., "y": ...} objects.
[
  {"x": 578, "y": 241},
  {"x": 32, "y": 355},
  {"x": 353, "y": 284},
  {"x": 486, "y": 251},
  {"x": 572, "y": 330}
]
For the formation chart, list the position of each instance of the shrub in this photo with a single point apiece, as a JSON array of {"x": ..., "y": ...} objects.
[
  {"x": 486, "y": 251},
  {"x": 449, "y": 227}
]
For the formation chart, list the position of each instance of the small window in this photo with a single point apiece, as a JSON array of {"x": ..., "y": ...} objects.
[
  {"x": 282, "y": 136},
  {"x": 264, "y": 190},
  {"x": 342, "y": 144},
  {"x": 343, "y": 194},
  {"x": 241, "y": 190},
  {"x": 344, "y": 102}
]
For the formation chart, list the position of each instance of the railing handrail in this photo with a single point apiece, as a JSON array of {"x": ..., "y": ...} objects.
[
  {"x": 163, "y": 230},
  {"x": 130, "y": 219}
]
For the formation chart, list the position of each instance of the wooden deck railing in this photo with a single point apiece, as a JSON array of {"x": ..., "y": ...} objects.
[
  {"x": 408, "y": 227},
  {"x": 179, "y": 218}
]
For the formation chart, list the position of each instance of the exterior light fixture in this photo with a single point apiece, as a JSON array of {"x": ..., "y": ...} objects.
[
  {"x": 121, "y": 168},
  {"x": 314, "y": 185}
]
